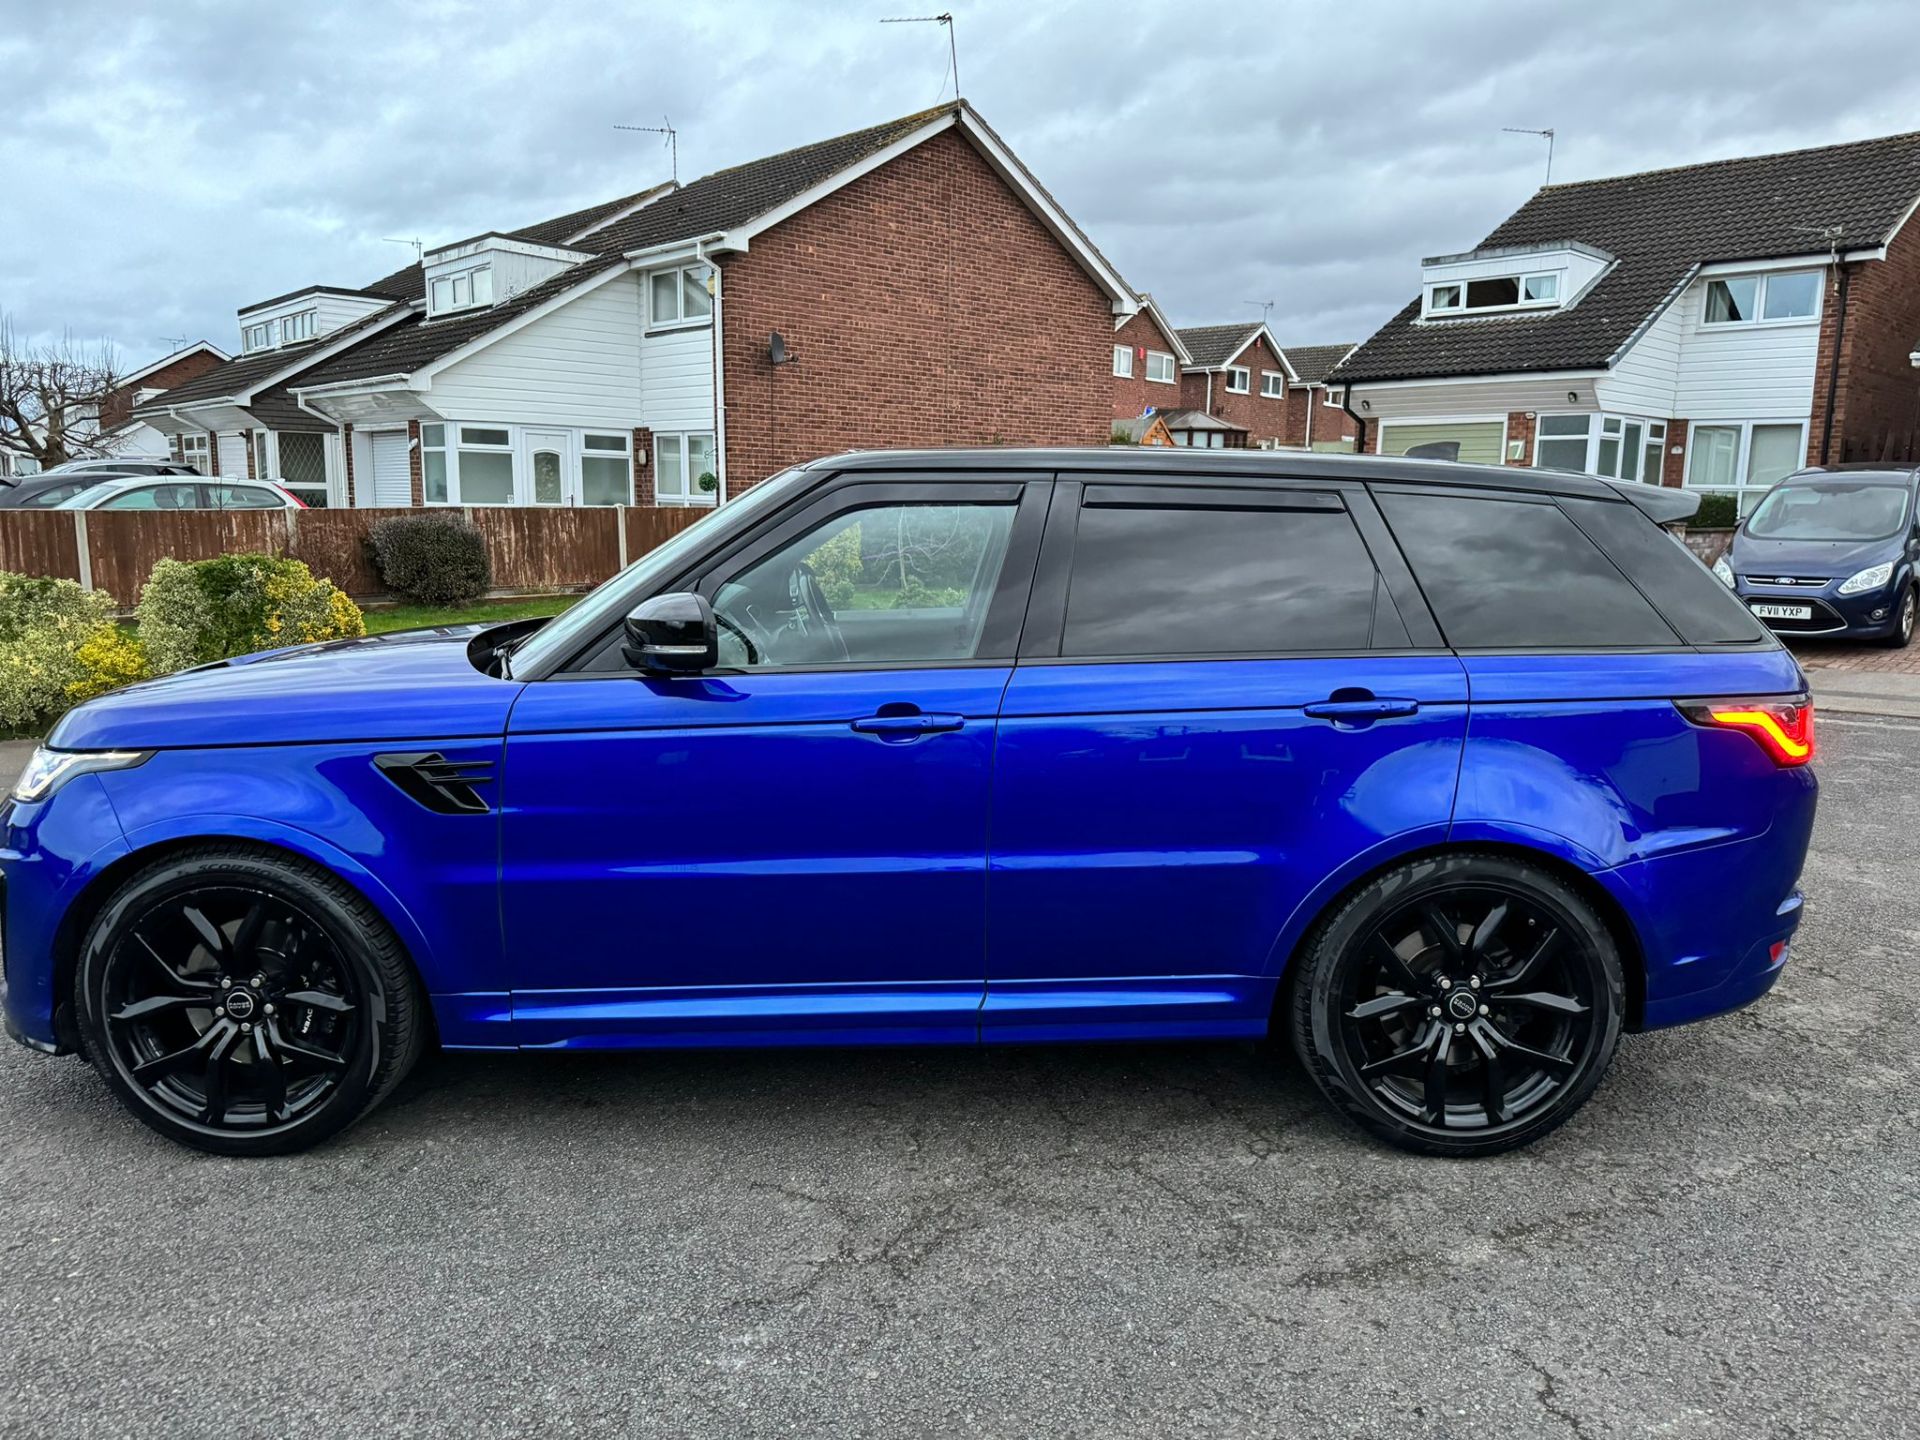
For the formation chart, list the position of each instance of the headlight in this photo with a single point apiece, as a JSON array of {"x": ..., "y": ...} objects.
[
  {"x": 1725, "y": 571},
  {"x": 48, "y": 770},
  {"x": 1872, "y": 578}
]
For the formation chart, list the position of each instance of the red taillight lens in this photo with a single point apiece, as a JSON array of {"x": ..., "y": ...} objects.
[{"x": 1783, "y": 729}]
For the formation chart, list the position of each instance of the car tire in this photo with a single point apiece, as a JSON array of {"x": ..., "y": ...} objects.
[
  {"x": 245, "y": 1002},
  {"x": 1903, "y": 622},
  {"x": 1460, "y": 1005}
]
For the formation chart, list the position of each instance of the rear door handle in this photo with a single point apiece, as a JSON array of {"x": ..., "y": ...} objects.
[
  {"x": 1373, "y": 707},
  {"x": 907, "y": 727}
]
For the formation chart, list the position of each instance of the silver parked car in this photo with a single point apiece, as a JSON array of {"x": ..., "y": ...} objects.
[{"x": 151, "y": 492}]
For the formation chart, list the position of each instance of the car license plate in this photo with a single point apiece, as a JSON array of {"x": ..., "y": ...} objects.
[{"x": 1784, "y": 612}]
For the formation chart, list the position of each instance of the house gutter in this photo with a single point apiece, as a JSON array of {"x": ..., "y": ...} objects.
[
  {"x": 1360, "y": 425},
  {"x": 1833, "y": 361}
]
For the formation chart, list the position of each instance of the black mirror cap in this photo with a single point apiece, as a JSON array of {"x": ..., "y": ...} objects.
[{"x": 672, "y": 635}]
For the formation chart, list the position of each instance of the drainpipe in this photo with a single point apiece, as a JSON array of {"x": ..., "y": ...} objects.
[
  {"x": 1833, "y": 363},
  {"x": 1209, "y": 392},
  {"x": 1307, "y": 439},
  {"x": 1346, "y": 404},
  {"x": 719, "y": 377}
]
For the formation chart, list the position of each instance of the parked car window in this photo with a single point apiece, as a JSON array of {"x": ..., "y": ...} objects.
[
  {"x": 46, "y": 499},
  {"x": 245, "y": 497},
  {"x": 1685, "y": 592},
  {"x": 182, "y": 496},
  {"x": 1831, "y": 510},
  {"x": 887, "y": 583},
  {"x": 1512, "y": 574},
  {"x": 1190, "y": 581}
]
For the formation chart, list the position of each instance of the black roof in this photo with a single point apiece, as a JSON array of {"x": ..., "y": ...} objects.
[
  {"x": 1213, "y": 345},
  {"x": 1658, "y": 225},
  {"x": 1312, "y": 362},
  {"x": 1179, "y": 464},
  {"x": 244, "y": 372}
]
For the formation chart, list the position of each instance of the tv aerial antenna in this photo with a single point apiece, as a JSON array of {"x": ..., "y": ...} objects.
[
  {"x": 665, "y": 127},
  {"x": 1545, "y": 134},
  {"x": 418, "y": 249},
  {"x": 945, "y": 17}
]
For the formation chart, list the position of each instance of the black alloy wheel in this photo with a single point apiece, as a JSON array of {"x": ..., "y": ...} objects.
[
  {"x": 252, "y": 1005},
  {"x": 1462, "y": 1005}
]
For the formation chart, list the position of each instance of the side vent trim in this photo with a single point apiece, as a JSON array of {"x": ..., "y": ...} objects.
[{"x": 441, "y": 785}]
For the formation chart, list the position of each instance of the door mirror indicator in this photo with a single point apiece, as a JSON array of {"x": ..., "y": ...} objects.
[{"x": 672, "y": 635}]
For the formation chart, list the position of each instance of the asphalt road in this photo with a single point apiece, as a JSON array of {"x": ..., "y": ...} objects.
[{"x": 1101, "y": 1242}]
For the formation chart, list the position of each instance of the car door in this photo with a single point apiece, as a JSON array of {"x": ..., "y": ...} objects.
[
  {"x": 1228, "y": 698},
  {"x": 793, "y": 844}
]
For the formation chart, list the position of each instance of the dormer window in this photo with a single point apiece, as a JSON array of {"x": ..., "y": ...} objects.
[
  {"x": 295, "y": 328},
  {"x": 680, "y": 297},
  {"x": 460, "y": 290},
  {"x": 1498, "y": 292},
  {"x": 257, "y": 337}
]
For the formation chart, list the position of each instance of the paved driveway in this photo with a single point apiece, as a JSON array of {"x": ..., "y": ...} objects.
[{"x": 1123, "y": 1241}]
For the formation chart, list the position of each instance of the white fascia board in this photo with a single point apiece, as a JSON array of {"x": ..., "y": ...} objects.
[
  {"x": 166, "y": 360},
  {"x": 1272, "y": 344},
  {"x": 369, "y": 384},
  {"x": 1151, "y": 307},
  {"x": 422, "y": 379},
  {"x": 1504, "y": 377},
  {"x": 741, "y": 236},
  {"x": 1755, "y": 267}
]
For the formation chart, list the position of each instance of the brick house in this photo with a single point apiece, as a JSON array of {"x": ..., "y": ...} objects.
[
  {"x": 1316, "y": 420},
  {"x": 1715, "y": 325},
  {"x": 112, "y": 430},
  {"x": 1147, "y": 356},
  {"x": 906, "y": 284},
  {"x": 1239, "y": 376}
]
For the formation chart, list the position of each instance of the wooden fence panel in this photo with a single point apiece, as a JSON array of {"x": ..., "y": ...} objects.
[
  {"x": 561, "y": 549},
  {"x": 334, "y": 544},
  {"x": 652, "y": 525},
  {"x": 39, "y": 542},
  {"x": 125, "y": 544}
]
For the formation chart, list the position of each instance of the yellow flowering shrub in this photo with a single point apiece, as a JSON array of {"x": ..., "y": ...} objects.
[{"x": 191, "y": 613}]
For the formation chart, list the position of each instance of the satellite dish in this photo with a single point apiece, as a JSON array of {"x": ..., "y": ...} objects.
[{"x": 777, "y": 350}]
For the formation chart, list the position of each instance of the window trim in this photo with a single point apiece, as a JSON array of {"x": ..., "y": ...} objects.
[
  {"x": 695, "y": 498},
  {"x": 1172, "y": 377},
  {"x": 1428, "y": 309},
  {"x": 1598, "y": 433},
  {"x": 1123, "y": 362},
  {"x": 1741, "y": 489},
  {"x": 308, "y": 330},
  {"x": 1267, "y": 393},
  {"x": 680, "y": 321},
  {"x": 585, "y": 452},
  {"x": 1763, "y": 282},
  {"x": 451, "y": 278},
  {"x": 1242, "y": 373}
]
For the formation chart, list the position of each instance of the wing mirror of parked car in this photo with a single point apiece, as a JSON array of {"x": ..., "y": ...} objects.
[{"x": 672, "y": 635}]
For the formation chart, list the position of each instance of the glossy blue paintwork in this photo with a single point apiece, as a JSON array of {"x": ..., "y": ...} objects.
[{"x": 1096, "y": 851}]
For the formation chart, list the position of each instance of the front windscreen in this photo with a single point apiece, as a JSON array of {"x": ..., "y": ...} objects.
[{"x": 1831, "y": 510}]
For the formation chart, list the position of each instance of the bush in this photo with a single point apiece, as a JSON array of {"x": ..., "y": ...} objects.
[
  {"x": 44, "y": 626},
  {"x": 236, "y": 604},
  {"x": 1716, "y": 512},
  {"x": 108, "y": 658},
  {"x": 431, "y": 559}
]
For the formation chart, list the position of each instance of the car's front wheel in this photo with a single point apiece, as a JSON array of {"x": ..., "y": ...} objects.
[
  {"x": 245, "y": 1003},
  {"x": 1902, "y": 633},
  {"x": 1459, "y": 1005}
]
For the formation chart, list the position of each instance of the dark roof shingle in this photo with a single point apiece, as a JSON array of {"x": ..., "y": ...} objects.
[
  {"x": 1312, "y": 362},
  {"x": 1660, "y": 225},
  {"x": 1213, "y": 345}
]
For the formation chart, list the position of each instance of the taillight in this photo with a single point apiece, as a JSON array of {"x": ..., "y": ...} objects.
[{"x": 1784, "y": 729}]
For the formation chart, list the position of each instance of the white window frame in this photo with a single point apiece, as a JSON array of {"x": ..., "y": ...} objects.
[
  {"x": 1746, "y": 493},
  {"x": 1163, "y": 360},
  {"x": 694, "y": 494},
  {"x": 257, "y": 337},
  {"x": 1598, "y": 434},
  {"x": 588, "y": 452},
  {"x": 1763, "y": 281},
  {"x": 1331, "y": 398},
  {"x": 194, "y": 451},
  {"x": 1244, "y": 378},
  {"x": 1123, "y": 362},
  {"x": 1520, "y": 279},
  {"x": 475, "y": 278},
  {"x": 300, "y": 326},
  {"x": 1268, "y": 391},
  {"x": 699, "y": 275}
]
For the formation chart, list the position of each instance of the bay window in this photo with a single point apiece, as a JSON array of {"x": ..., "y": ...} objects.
[{"x": 1618, "y": 447}]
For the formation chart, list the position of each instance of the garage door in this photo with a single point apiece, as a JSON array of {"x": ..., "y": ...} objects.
[
  {"x": 1480, "y": 441},
  {"x": 391, "y": 483}
]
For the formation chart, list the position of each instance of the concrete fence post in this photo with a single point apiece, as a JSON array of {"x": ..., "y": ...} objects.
[
  {"x": 82, "y": 551},
  {"x": 620, "y": 529}
]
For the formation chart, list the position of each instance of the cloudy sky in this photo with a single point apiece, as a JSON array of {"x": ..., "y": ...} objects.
[{"x": 161, "y": 164}]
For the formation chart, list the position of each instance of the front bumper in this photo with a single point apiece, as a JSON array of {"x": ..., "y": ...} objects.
[{"x": 1868, "y": 616}]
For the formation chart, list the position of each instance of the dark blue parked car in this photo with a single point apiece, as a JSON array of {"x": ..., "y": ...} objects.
[
  {"x": 1448, "y": 774},
  {"x": 1831, "y": 552}
]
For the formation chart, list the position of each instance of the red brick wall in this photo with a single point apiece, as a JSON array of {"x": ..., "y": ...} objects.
[
  {"x": 1330, "y": 422},
  {"x": 346, "y": 450},
  {"x": 1673, "y": 468},
  {"x": 1133, "y": 397},
  {"x": 117, "y": 409},
  {"x": 927, "y": 307},
  {"x": 416, "y": 475},
  {"x": 1877, "y": 409},
  {"x": 1265, "y": 419},
  {"x": 642, "y": 466},
  {"x": 1519, "y": 427}
]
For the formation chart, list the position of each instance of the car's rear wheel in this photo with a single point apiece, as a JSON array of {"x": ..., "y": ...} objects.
[
  {"x": 1903, "y": 623},
  {"x": 245, "y": 1003},
  {"x": 1459, "y": 1005}
]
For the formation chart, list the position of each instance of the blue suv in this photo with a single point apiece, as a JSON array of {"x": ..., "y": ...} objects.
[{"x": 1448, "y": 775}]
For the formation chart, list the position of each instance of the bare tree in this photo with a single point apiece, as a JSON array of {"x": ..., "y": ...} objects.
[{"x": 51, "y": 396}]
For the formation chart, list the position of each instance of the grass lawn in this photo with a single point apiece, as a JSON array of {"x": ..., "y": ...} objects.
[{"x": 383, "y": 618}]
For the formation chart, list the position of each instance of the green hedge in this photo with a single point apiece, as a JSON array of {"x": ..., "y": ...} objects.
[{"x": 433, "y": 559}]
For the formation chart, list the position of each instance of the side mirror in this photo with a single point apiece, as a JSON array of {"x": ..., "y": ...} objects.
[{"x": 672, "y": 635}]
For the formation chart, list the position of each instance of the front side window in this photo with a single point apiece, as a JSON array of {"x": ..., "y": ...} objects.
[
  {"x": 1561, "y": 442},
  {"x": 485, "y": 462},
  {"x": 53, "y": 496},
  {"x": 244, "y": 497},
  {"x": 679, "y": 296},
  {"x": 1238, "y": 379},
  {"x": 1748, "y": 299},
  {"x": 684, "y": 472},
  {"x": 890, "y": 583},
  {"x": 1123, "y": 361},
  {"x": 1190, "y": 581},
  {"x": 1273, "y": 385},
  {"x": 1160, "y": 367},
  {"x": 606, "y": 470},
  {"x": 1503, "y": 574},
  {"x": 1744, "y": 460}
]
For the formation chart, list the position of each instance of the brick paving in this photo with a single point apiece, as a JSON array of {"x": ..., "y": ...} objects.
[{"x": 1876, "y": 659}]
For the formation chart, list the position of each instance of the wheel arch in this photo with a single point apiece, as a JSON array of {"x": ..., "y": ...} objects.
[
  {"x": 1557, "y": 862},
  {"x": 100, "y": 888}
]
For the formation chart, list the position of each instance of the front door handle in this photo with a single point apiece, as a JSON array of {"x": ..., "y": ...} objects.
[
  {"x": 909, "y": 726},
  {"x": 1362, "y": 709}
]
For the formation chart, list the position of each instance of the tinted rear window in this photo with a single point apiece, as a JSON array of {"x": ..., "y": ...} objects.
[
  {"x": 1151, "y": 580},
  {"x": 1515, "y": 573},
  {"x": 1703, "y": 610}
]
